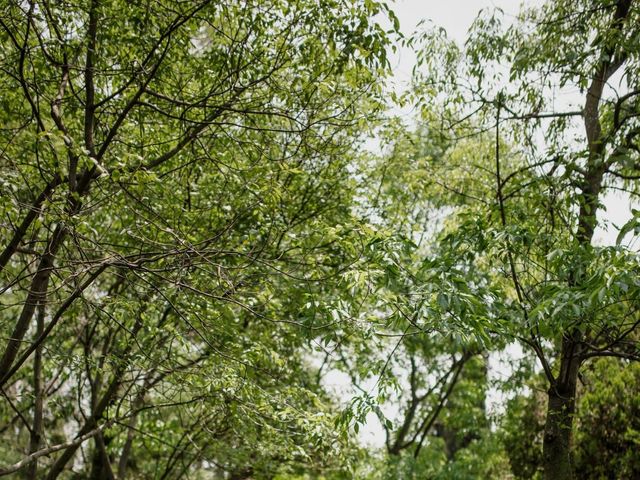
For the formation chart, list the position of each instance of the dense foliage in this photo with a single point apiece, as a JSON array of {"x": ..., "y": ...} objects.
[
  {"x": 173, "y": 174},
  {"x": 199, "y": 239}
]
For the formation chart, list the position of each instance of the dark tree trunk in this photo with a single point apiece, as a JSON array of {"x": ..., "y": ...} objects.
[
  {"x": 37, "y": 293},
  {"x": 101, "y": 463},
  {"x": 241, "y": 474},
  {"x": 35, "y": 439},
  {"x": 557, "y": 448},
  {"x": 557, "y": 437}
]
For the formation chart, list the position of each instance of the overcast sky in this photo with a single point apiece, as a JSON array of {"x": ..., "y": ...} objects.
[{"x": 455, "y": 16}]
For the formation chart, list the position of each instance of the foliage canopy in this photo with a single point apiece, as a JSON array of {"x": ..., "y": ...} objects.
[{"x": 197, "y": 241}]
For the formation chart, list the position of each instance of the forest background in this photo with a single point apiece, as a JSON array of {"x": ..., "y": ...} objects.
[{"x": 213, "y": 210}]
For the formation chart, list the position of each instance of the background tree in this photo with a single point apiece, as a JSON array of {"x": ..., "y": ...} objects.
[
  {"x": 606, "y": 420},
  {"x": 562, "y": 296},
  {"x": 421, "y": 370}
]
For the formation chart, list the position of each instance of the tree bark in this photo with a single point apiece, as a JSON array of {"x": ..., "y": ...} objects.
[
  {"x": 37, "y": 293},
  {"x": 35, "y": 439},
  {"x": 558, "y": 432},
  {"x": 558, "y": 464},
  {"x": 101, "y": 463}
]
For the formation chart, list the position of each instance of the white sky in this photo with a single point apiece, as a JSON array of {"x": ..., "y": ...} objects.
[{"x": 455, "y": 16}]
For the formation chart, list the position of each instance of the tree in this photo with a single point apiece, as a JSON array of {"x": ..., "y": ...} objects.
[
  {"x": 172, "y": 177},
  {"x": 567, "y": 299},
  {"x": 606, "y": 420},
  {"x": 417, "y": 359}
]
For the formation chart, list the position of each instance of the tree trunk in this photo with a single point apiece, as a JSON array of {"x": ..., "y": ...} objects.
[
  {"x": 37, "y": 293},
  {"x": 557, "y": 437},
  {"x": 100, "y": 462},
  {"x": 557, "y": 451},
  {"x": 35, "y": 439}
]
